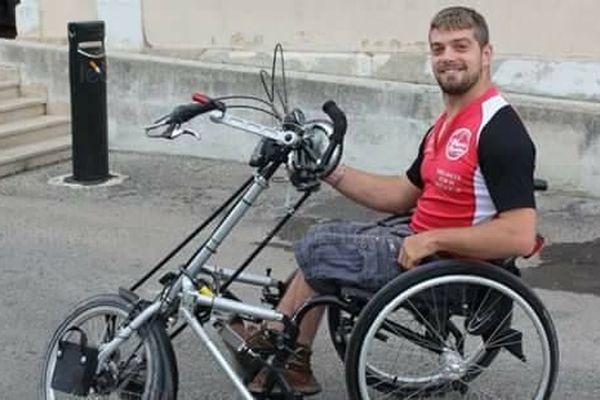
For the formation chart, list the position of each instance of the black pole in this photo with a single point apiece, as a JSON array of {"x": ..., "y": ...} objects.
[{"x": 89, "y": 129}]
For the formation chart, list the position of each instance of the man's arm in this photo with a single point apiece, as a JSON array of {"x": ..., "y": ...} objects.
[
  {"x": 390, "y": 194},
  {"x": 511, "y": 233},
  {"x": 507, "y": 161}
]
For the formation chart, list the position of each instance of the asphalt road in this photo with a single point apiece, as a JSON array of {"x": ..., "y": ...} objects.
[{"x": 60, "y": 245}]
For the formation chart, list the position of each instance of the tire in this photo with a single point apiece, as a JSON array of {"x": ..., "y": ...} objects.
[
  {"x": 151, "y": 372},
  {"x": 401, "y": 347}
]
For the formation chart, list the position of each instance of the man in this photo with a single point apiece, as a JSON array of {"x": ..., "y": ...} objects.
[{"x": 471, "y": 186}]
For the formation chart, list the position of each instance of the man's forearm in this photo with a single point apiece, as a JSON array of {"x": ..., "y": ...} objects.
[
  {"x": 378, "y": 192},
  {"x": 492, "y": 240}
]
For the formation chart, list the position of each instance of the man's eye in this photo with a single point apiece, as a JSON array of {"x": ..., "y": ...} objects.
[{"x": 437, "y": 50}]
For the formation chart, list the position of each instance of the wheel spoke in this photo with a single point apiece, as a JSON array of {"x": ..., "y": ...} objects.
[
  {"x": 133, "y": 371},
  {"x": 433, "y": 346}
]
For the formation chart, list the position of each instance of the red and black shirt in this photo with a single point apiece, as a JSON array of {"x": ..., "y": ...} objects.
[{"x": 479, "y": 164}]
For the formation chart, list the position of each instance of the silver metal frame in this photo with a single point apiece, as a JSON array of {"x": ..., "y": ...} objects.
[
  {"x": 223, "y": 273},
  {"x": 214, "y": 350},
  {"x": 190, "y": 298},
  {"x": 285, "y": 137},
  {"x": 184, "y": 289}
]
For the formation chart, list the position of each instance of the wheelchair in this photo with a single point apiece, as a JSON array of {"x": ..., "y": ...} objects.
[
  {"x": 448, "y": 329},
  {"x": 451, "y": 328},
  {"x": 454, "y": 329}
]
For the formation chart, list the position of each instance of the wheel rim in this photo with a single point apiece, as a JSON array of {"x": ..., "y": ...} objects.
[
  {"x": 386, "y": 373},
  {"x": 96, "y": 323}
]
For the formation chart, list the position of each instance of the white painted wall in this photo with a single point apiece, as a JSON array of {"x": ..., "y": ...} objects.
[
  {"x": 545, "y": 47},
  {"x": 28, "y": 19},
  {"x": 123, "y": 23},
  {"x": 56, "y": 14},
  {"x": 546, "y": 28},
  {"x": 47, "y": 20},
  {"x": 540, "y": 28}
]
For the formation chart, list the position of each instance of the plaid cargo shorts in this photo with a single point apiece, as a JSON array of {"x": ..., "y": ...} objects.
[{"x": 354, "y": 254}]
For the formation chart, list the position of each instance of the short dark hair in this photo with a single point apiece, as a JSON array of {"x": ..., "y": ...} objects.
[{"x": 455, "y": 18}]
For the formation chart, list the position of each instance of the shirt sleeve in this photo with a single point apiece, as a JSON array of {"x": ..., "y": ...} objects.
[
  {"x": 414, "y": 172},
  {"x": 507, "y": 161}
]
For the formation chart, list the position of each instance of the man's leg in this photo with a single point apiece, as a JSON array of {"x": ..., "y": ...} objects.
[
  {"x": 296, "y": 294},
  {"x": 350, "y": 253},
  {"x": 298, "y": 370}
]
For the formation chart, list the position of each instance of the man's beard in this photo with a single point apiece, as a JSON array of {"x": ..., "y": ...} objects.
[{"x": 458, "y": 87}]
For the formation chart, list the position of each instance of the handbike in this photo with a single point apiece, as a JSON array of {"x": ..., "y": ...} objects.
[{"x": 448, "y": 329}]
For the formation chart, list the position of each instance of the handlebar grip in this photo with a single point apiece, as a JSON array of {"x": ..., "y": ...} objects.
[
  {"x": 540, "y": 185},
  {"x": 340, "y": 124},
  {"x": 185, "y": 112}
]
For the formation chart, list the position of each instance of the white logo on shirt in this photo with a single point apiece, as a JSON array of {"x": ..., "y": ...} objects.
[{"x": 458, "y": 144}]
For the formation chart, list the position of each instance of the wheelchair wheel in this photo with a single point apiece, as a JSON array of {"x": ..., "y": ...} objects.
[
  {"x": 142, "y": 368},
  {"x": 453, "y": 330}
]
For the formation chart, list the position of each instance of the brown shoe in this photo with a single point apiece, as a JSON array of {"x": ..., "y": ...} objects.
[
  {"x": 297, "y": 373},
  {"x": 259, "y": 340},
  {"x": 242, "y": 328},
  {"x": 256, "y": 339}
]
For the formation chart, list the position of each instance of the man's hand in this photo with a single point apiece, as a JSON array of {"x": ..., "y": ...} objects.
[{"x": 415, "y": 248}]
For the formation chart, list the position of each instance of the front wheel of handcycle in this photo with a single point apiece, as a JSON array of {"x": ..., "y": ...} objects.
[
  {"x": 143, "y": 367},
  {"x": 453, "y": 329}
]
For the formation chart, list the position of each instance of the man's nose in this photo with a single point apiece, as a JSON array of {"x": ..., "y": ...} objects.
[{"x": 448, "y": 54}]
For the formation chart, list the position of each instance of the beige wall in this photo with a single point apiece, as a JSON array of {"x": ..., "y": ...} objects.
[
  {"x": 55, "y": 14},
  {"x": 547, "y": 28},
  {"x": 538, "y": 28}
]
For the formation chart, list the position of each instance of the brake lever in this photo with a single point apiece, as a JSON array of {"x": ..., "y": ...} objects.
[
  {"x": 159, "y": 123},
  {"x": 173, "y": 131},
  {"x": 162, "y": 121},
  {"x": 186, "y": 131}
]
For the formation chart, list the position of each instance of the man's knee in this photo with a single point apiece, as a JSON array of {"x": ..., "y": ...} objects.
[
  {"x": 324, "y": 286},
  {"x": 320, "y": 286}
]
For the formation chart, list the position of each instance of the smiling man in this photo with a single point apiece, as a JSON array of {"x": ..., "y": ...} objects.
[{"x": 471, "y": 188}]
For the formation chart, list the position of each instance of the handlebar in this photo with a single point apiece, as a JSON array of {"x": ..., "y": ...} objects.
[
  {"x": 309, "y": 163},
  {"x": 340, "y": 126},
  {"x": 182, "y": 114},
  {"x": 186, "y": 112},
  {"x": 540, "y": 185},
  {"x": 338, "y": 118}
]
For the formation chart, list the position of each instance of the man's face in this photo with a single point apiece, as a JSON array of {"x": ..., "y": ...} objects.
[{"x": 457, "y": 59}]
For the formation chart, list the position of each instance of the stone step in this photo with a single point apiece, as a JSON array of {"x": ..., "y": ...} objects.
[
  {"x": 29, "y": 130},
  {"x": 29, "y": 156},
  {"x": 21, "y": 108},
  {"x": 9, "y": 90}
]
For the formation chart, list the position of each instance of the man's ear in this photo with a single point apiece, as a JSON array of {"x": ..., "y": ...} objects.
[{"x": 486, "y": 55}]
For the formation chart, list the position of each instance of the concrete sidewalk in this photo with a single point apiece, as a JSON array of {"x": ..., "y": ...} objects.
[{"x": 59, "y": 245}]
